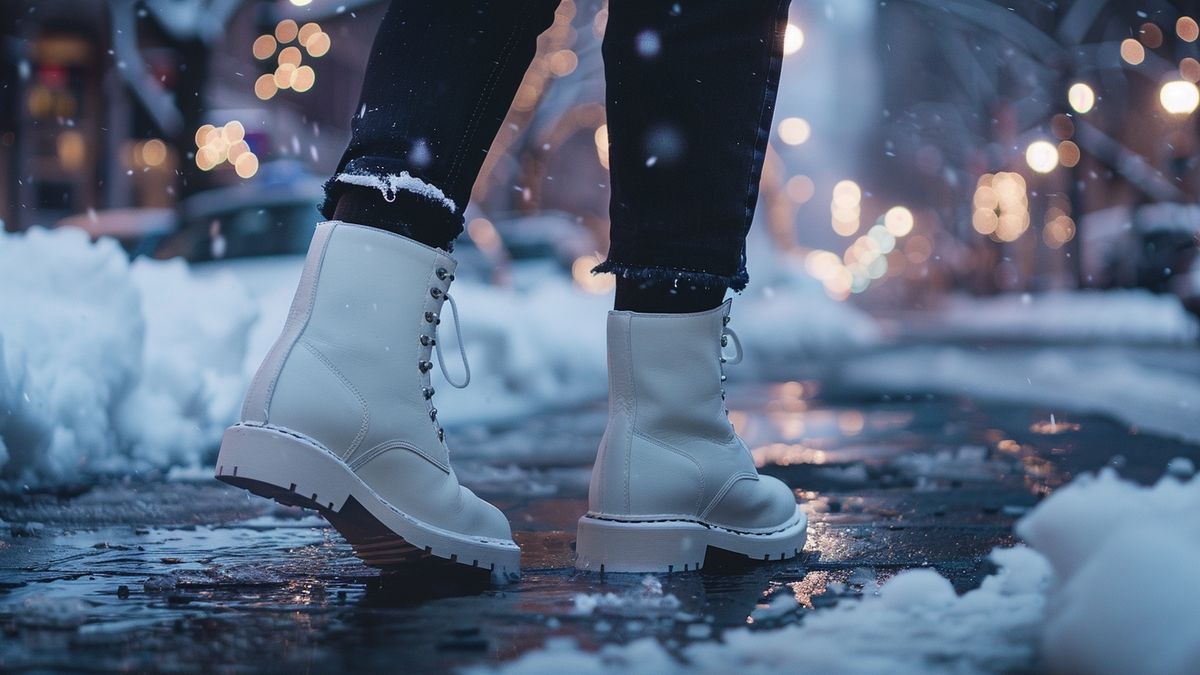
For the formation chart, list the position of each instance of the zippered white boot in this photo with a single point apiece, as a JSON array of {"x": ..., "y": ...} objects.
[
  {"x": 671, "y": 477},
  {"x": 340, "y": 419}
]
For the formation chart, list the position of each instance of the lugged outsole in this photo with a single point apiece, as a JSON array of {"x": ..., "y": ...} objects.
[
  {"x": 285, "y": 467},
  {"x": 669, "y": 546}
]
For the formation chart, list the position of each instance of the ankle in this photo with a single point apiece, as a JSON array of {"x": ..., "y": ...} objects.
[
  {"x": 366, "y": 206},
  {"x": 656, "y": 297}
]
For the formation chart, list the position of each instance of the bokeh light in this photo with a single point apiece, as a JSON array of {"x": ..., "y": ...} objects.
[
  {"x": 794, "y": 130},
  {"x": 1132, "y": 52},
  {"x": 793, "y": 39},
  {"x": 1179, "y": 97},
  {"x": 1187, "y": 29},
  {"x": 1042, "y": 156},
  {"x": 1081, "y": 97}
]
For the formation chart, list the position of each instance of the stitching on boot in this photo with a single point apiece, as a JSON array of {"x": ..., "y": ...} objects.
[
  {"x": 734, "y": 479},
  {"x": 366, "y": 413},
  {"x": 792, "y": 522},
  {"x": 384, "y": 447},
  {"x": 307, "y": 312}
]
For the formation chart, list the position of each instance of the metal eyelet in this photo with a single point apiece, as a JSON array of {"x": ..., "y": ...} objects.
[
  {"x": 444, "y": 274},
  {"x": 441, "y": 434},
  {"x": 724, "y": 321},
  {"x": 724, "y": 341},
  {"x": 433, "y": 414},
  {"x": 723, "y": 360},
  {"x": 427, "y": 392},
  {"x": 430, "y": 317},
  {"x": 424, "y": 366},
  {"x": 724, "y": 377},
  {"x": 427, "y": 341},
  {"x": 435, "y": 292}
]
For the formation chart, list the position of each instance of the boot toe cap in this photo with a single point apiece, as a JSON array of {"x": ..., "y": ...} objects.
[
  {"x": 481, "y": 519},
  {"x": 755, "y": 504}
]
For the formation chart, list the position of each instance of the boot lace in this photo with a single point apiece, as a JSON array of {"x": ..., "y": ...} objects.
[
  {"x": 430, "y": 341},
  {"x": 727, "y": 336}
]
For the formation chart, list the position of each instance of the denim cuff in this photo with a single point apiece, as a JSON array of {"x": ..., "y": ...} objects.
[
  {"x": 419, "y": 200},
  {"x": 669, "y": 275}
]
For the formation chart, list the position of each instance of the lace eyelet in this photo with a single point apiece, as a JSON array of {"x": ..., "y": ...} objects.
[
  {"x": 431, "y": 317},
  {"x": 441, "y": 434},
  {"x": 433, "y": 414},
  {"x": 427, "y": 341},
  {"x": 424, "y": 366},
  {"x": 724, "y": 341},
  {"x": 435, "y": 292}
]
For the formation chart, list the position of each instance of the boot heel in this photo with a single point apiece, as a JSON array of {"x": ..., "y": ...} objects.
[
  {"x": 663, "y": 547},
  {"x": 284, "y": 467}
]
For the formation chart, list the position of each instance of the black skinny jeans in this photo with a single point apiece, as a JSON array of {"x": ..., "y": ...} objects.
[{"x": 691, "y": 88}]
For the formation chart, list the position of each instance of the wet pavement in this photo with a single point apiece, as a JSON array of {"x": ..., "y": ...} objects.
[{"x": 186, "y": 574}]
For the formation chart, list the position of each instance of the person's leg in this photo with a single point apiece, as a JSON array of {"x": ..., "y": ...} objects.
[
  {"x": 439, "y": 82},
  {"x": 340, "y": 416},
  {"x": 691, "y": 91}
]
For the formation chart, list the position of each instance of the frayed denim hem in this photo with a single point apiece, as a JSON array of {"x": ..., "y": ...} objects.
[{"x": 666, "y": 275}]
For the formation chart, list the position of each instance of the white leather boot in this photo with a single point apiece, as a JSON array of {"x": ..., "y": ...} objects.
[
  {"x": 671, "y": 477},
  {"x": 340, "y": 419}
]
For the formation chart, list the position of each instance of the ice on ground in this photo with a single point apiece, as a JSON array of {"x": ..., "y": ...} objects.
[
  {"x": 1107, "y": 585},
  {"x": 1079, "y": 316},
  {"x": 1094, "y": 380}
]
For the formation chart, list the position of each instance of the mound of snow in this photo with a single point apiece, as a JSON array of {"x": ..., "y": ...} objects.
[
  {"x": 1126, "y": 559},
  {"x": 1107, "y": 587},
  {"x": 109, "y": 366},
  {"x": 1101, "y": 380},
  {"x": 1077, "y": 316}
]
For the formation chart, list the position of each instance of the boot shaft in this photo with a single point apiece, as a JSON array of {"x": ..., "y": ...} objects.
[
  {"x": 357, "y": 343},
  {"x": 665, "y": 373}
]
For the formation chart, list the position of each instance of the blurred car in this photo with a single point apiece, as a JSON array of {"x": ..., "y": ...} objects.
[{"x": 1154, "y": 246}]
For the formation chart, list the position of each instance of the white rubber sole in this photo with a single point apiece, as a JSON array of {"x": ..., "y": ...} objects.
[
  {"x": 666, "y": 546},
  {"x": 273, "y": 463}
]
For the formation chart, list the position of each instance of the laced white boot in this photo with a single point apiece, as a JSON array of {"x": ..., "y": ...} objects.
[
  {"x": 340, "y": 416},
  {"x": 672, "y": 478}
]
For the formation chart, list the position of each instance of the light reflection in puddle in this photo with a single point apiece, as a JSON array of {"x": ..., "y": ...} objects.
[{"x": 1052, "y": 427}]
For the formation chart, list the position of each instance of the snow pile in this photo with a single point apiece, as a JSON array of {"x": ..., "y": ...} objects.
[
  {"x": 1126, "y": 559},
  {"x": 109, "y": 366},
  {"x": 1101, "y": 380},
  {"x": 1080, "y": 316},
  {"x": 1108, "y": 587}
]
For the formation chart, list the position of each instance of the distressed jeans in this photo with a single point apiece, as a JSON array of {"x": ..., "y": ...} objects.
[{"x": 690, "y": 91}]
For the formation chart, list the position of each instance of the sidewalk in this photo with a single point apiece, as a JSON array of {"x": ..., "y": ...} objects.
[{"x": 187, "y": 574}]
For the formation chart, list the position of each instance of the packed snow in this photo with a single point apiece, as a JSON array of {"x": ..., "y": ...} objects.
[
  {"x": 1158, "y": 397},
  {"x": 1062, "y": 604},
  {"x": 1125, "y": 315},
  {"x": 110, "y": 367}
]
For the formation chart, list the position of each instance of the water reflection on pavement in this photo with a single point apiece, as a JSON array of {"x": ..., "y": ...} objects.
[{"x": 193, "y": 575}]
